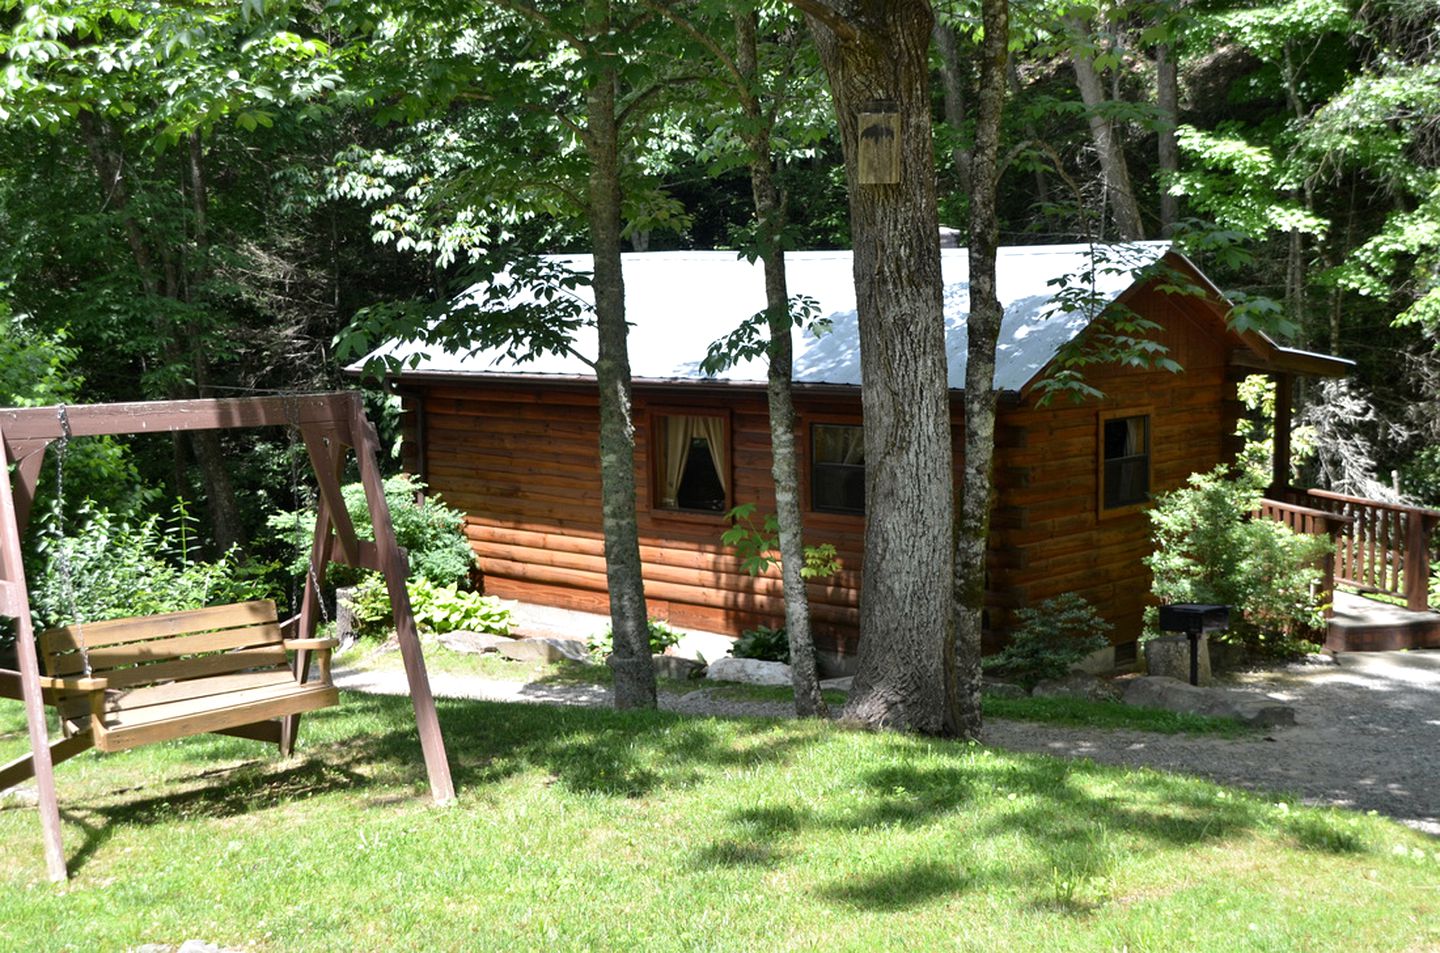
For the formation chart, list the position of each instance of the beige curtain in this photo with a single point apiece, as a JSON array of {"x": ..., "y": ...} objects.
[
  {"x": 678, "y": 431},
  {"x": 1135, "y": 435},
  {"x": 712, "y": 430}
]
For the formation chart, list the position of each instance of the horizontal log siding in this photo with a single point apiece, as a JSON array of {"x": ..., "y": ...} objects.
[
  {"x": 521, "y": 460},
  {"x": 1050, "y": 536}
]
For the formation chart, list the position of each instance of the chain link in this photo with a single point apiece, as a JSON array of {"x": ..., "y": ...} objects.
[{"x": 67, "y": 573}]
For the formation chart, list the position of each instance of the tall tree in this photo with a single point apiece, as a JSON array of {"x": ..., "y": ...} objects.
[
  {"x": 972, "y": 537},
  {"x": 1085, "y": 59},
  {"x": 876, "y": 57}
]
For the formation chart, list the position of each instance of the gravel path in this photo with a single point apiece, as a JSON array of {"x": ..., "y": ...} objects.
[{"x": 1367, "y": 733}]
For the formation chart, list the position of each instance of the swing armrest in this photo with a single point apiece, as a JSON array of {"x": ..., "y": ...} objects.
[
  {"x": 87, "y": 684},
  {"x": 309, "y": 645}
]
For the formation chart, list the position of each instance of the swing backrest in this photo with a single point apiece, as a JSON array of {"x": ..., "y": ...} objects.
[{"x": 171, "y": 657}]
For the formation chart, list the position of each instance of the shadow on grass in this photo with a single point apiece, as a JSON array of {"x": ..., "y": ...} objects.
[{"x": 1075, "y": 819}]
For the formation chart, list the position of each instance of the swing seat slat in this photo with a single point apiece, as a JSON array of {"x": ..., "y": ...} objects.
[{"x": 182, "y": 673}]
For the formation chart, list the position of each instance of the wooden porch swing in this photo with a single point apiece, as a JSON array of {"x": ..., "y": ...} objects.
[{"x": 231, "y": 669}]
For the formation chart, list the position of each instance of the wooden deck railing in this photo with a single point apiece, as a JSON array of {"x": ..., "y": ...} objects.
[
  {"x": 1382, "y": 547},
  {"x": 1305, "y": 519}
]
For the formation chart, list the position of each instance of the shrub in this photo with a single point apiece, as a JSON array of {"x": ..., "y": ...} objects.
[
  {"x": 1209, "y": 549},
  {"x": 120, "y": 568},
  {"x": 437, "y": 609},
  {"x": 764, "y": 643},
  {"x": 661, "y": 638},
  {"x": 431, "y": 532},
  {"x": 1049, "y": 638}
]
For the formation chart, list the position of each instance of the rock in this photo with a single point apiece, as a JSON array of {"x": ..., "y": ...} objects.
[
  {"x": 544, "y": 650},
  {"x": 1076, "y": 685},
  {"x": 26, "y": 796},
  {"x": 996, "y": 688},
  {"x": 472, "y": 643},
  {"x": 673, "y": 666},
  {"x": 837, "y": 684},
  {"x": 751, "y": 671},
  {"x": 345, "y": 624},
  {"x": 1171, "y": 694},
  {"x": 200, "y": 946},
  {"x": 1169, "y": 657}
]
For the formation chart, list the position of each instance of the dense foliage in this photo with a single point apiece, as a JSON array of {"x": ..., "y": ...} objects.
[
  {"x": 662, "y": 636},
  {"x": 1209, "y": 549},
  {"x": 437, "y": 608},
  {"x": 764, "y": 643},
  {"x": 1049, "y": 638}
]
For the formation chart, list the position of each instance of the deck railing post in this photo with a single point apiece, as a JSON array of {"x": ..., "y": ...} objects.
[{"x": 1417, "y": 561}]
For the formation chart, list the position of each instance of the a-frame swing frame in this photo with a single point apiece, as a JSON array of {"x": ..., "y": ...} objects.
[{"x": 331, "y": 425}]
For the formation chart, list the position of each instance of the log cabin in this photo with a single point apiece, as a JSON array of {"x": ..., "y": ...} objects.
[{"x": 514, "y": 444}]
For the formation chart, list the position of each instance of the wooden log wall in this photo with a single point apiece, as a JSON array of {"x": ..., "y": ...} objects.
[{"x": 521, "y": 460}]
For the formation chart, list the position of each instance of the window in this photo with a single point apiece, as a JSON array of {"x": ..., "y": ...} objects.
[
  {"x": 837, "y": 468},
  {"x": 693, "y": 464},
  {"x": 1125, "y": 461}
]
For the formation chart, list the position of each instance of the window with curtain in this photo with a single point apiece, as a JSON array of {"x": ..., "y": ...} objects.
[
  {"x": 1126, "y": 456},
  {"x": 837, "y": 468},
  {"x": 693, "y": 463}
]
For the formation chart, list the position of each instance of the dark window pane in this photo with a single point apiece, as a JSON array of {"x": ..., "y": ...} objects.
[
  {"x": 1126, "y": 471},
  {"x": 837, "y": 444},
  {"x": 700, "y": 487},
  {"x": 839, "y": 489},
  {"x": 837, "y": 468}
]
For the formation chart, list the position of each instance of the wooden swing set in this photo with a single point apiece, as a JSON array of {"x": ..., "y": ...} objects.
[{"x": 231, "y": 669}]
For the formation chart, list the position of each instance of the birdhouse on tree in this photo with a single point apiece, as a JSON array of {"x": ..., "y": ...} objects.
[{"x": 880, "y": 147}]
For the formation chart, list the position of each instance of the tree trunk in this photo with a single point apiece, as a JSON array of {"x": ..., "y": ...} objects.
[
  {"x": 784, "y": 470},
  {"x": 876, "y": 59},
  {"x": 953, "y": 85},
  {"x": 1032, "y": 134},
  {"x": 962, "y": 669},
  {"x": 634, "y": 672},
  {"x": 1167, "y": 102},
  {"x": 1124, "y": 211}
]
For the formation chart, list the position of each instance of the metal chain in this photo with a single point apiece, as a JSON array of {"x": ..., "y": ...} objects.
[
  {"x": 67, "y": 573},
  {"x": 312, "y": 580}
]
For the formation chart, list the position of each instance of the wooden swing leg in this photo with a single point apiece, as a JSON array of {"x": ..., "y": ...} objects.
[
  {"x": 23, "y": 769},
  {"x": 267, "y": 731},
  {"x": 289, "y": 732}
]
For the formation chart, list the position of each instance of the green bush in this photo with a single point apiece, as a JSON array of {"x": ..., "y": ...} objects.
[
  {"x": 437, "y": 609},
  {"x": 1049, "y": 638},
  {"x": 661, "y": 638},
  {"x": 431, "y": 532},
  {"x": 1209, "y": 549},
  {"x": 120, "y": 568},
  {"x": 764, "y": 643}
]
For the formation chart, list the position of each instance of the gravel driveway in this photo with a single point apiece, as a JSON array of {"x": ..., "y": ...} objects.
[{"x": 1367, "y": 733}]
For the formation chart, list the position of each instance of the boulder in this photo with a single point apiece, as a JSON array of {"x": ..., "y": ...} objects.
[
  {"x": 1169, "y": 657},
  {"x": 1171, "y": 694},
  {"x": 837, "y": 684},
  {"x": 345, "y": 624},
  {"x": 544, "y": 650},
  {"x": 676, "y": 667},
  {"x": 751, "y": 671},
  {"x": 472, "y": 643},
  {"x": 996, "y": 688},
  {"x": 1076, "y": 685}
]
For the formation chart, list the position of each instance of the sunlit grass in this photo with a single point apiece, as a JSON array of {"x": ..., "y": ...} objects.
[{"x": 591, "y": 829}]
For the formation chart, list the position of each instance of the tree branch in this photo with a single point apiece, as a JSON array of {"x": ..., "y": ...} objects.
[
  {"x": 747, "y": 99},
  {"x": 825, "y": 14}
]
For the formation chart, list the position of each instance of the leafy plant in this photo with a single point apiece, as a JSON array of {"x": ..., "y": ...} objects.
[
  {"x": 763, "y": 642},
  {"x": 757, "y": 545},
  {"x": 429, "y": 531},
  {"x": 437, "y": 609},
  {"x": 1209, "y": 548},
  {"x": 661, "y": 638},
  {"x": 1050, "y": 638}
]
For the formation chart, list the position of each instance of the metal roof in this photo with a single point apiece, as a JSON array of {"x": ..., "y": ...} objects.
[{"x": 679, "y": 302}]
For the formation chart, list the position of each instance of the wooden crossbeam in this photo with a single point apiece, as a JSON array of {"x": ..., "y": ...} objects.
[{"x": 170, "y": 416}]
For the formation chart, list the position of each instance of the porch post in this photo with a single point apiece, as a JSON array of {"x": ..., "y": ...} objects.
[{"x": 1280, "y": 458}]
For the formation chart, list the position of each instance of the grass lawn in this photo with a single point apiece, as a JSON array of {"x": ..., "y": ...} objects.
[{"x": 591, "y": 829}]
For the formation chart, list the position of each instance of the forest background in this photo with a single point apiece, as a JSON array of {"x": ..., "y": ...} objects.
[{"x": 207, "y": 199}]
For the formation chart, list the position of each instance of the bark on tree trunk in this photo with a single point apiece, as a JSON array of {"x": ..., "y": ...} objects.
[
  {"x": 784, "y": 470},
  {"x": 1032, "y": 134},
  {"x": 876, "y": 59},
  {"x": 634, "y": 672},
  {"x": 953, "y": 85},
  {"x": 1167, "y": 101},
  {"x": 1124, "y": 210},
  {"x": 962, "y": 670}
]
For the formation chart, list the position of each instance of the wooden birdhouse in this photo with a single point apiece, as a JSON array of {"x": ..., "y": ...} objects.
[{"x": 880, "y": 147}]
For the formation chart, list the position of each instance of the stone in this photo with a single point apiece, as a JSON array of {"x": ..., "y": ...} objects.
[
  {"x": 346, "y": 627},
  {"x": 472, "y": 643},
  {"x": 678, "y": 668},
  {"x": 997, "y": 688},
  {"x": 1171, "y": 694},
  {"x": 837, "y": 684},
  {"x": 544, "y": 650},
  {"x": 26, "y": 796},
  {"x": 200, "y": 946},
  {"x": 751, "y": 671},
  {"x": 1169, "y": 657},
  {"x": 1076, "y": 685}
]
